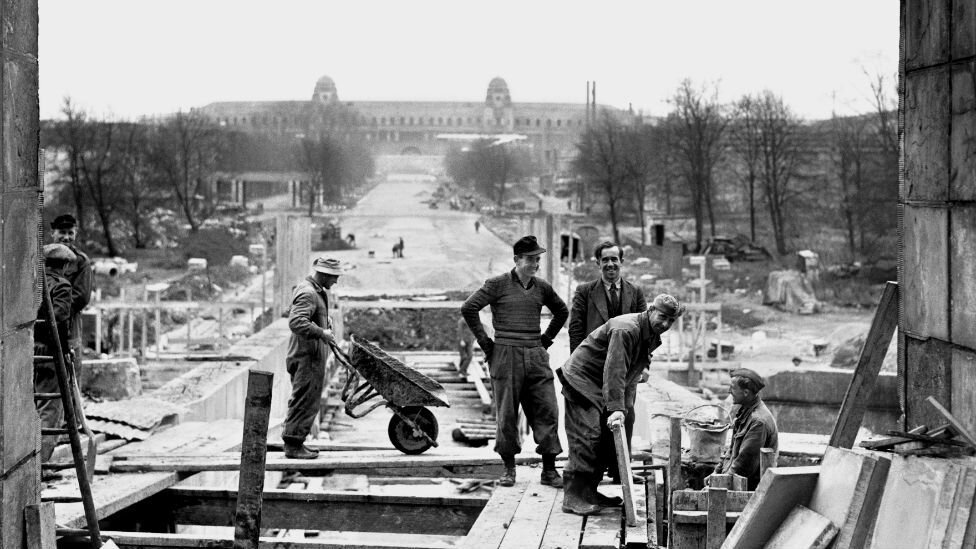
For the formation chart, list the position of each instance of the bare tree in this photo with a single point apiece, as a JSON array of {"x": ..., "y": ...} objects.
[
  {"x": 601, "y": 161},
  {"x": 69, "y": 137},
  {"x": 778, "y": 141},
  {"x": 745, "y": 143},
  {"x": 849, "y": 148},
  {"x": 137, "y": 196},
  {"x": 490, "y": 165},
  {"x": 185, "y": 152},
  {"x": 695, "y": 131},
  {"x": 323, "y": 160}
]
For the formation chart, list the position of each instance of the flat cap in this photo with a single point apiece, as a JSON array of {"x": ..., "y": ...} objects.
[
  {"x": 58, "y": 251},
  {"x": 750, "y": 375},
  {"x": 528, "y": 245},
  {"x": 668, "y": 305},
  {"x": 328, "y": 265},
  {"x": 64, "y": 221}
]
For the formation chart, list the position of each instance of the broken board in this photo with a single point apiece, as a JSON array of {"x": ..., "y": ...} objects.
[
  {"x": 803, "y": 529},
  {"x": 779, "y": 491}
]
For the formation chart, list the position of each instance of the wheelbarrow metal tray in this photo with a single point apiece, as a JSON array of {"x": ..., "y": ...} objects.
[{"x": 398, "y": 383}]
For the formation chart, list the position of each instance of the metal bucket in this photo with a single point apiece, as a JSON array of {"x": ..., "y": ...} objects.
[{"x": 706, "y": 440}]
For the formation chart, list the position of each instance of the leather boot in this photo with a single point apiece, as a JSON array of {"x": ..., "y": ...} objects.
[
  {"x": 299, "y": 451},
  {"x": 574, "y": 497},
  {"x": 596, "y": 497}
]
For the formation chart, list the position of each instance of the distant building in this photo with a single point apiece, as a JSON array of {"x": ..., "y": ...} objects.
[{"x": 415, "y": 127}]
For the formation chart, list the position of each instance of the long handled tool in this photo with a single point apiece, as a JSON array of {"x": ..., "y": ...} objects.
[{"x": 626, "y": 473}]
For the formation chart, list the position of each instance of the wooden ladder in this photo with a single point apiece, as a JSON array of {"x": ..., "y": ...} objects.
[{"x": 73, "y": 414}]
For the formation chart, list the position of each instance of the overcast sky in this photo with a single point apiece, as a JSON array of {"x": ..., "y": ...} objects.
[{"x": 127, "y": 58}]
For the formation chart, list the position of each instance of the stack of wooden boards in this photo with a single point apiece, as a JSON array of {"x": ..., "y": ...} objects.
[{"x": 862, "y": 500}]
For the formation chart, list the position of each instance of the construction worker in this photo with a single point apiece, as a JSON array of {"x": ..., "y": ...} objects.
[
  {"x": 57, "y": 258},
  {"x": 64, "y": 230},
  {"x": 517, "y": 357},
  {"x": 308, "y": 349},
  {"x": 600, "y": 387},
  {"x": 753, "y": 427}
]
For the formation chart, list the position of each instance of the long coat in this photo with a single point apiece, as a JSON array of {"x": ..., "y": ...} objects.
[
  {"x": 308, "y": 317},
  {"x": 590, "y": 308}
]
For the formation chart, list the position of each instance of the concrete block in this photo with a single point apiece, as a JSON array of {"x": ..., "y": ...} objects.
[
  {"x": 21, "y": 115},
  {"x": 962, "y": 145},
  {"x": 962, "y": 382},
  {"x": 926, "y": 273},
  {"x": 819, "y": 386},
  {"x": 926, "y": 31},
  {"x": 19, "y": 424},
  {"x": 780, "y": 490},
  {"x": 112, "y": 379},
  {"x": 927, "y": 373},
  {"x": 21, "y": 34},
  {"x": 962, "y": 250},
  {"x": 803, "y": 529},
  {"x": 912, "y": 495},
  {"x": 848, "y": 493},
  {"x": 963, "y": 29},
  {"x": 927, "y": 134},
  {"x": 19, "y": 261}
]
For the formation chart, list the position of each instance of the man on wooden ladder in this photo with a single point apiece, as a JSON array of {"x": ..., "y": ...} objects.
[{"x": 56, "y": 259}]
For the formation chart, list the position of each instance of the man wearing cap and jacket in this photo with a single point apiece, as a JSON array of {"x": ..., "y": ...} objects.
[
  {"x": 64, "y": 230},
  {"x": 753, "y": 428},
  {"x": 600, "y": 387},
  {"x": 56, "y": 259},
  {"x": 308, "y": 349},
  {"x": 517, "y": 357}
]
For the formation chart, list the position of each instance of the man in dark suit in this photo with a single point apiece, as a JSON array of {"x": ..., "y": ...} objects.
[
  {"x": 597, "y": 302},
  {"x": 600, "y": 300}
]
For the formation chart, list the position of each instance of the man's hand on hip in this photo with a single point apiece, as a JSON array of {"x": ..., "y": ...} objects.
[
  {"x": 487, "y": 345},
  {"x": 546, "y": 341},
  {"x": 615, "y": 417}
]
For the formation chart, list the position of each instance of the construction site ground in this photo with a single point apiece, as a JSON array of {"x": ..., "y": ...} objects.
[{"x": 442, "y": 252}]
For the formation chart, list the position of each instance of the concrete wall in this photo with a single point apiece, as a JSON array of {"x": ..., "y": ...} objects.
[
  {"x": 19, "y": 188},
  {"x": 937, "y": 343}
]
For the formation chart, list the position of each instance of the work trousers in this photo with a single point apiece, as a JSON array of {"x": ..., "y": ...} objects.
[
  {"x": 522, "y": 376},
  {"x": 591, "y": 447},
  {"x": 307, "y": 378},
  {"x": 50, "y": 411},
  {"x": 465, "y": 353}
]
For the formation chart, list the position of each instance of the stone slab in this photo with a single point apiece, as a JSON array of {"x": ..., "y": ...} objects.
[
  {"x": 963, "y": 382},
  {"x": 927, "y": 373},
  {"x": 963, "y": 29},
  {"x": 962, "y": 143},
  {"x": 962, "y": 246},
  {"x": 780, "y": 490},
  {"x": 926, "y": 31},
  {"x": 926, "y": 273},
  {"x": 926, "y": 134},
  {"x": 19, "y": 423},
  {"x": 911, "y": 496},
  {"x": 803, "y": 529},
  {"x": 848, "y": 493}
]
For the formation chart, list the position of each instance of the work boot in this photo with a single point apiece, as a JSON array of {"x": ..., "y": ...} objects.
[
  {"x": 508, "y": 477},
  {"x": 574, "y": 496},
  {"x": 551, "y": 477},
  {"x": 299, "y": 451},
  {"x": 596, "y": 497}
]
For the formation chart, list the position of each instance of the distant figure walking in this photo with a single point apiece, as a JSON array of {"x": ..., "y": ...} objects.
[
  {"x": 351, "y": 239},
  {"x": 477, "y": 225},
  {"x": 398, "y": 249}
]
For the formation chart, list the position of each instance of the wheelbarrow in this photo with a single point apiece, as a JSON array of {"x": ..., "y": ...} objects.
[{"x": 374, "y": 379}]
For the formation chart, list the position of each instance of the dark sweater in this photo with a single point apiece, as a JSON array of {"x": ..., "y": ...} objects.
[{"x": 515, "y": 310}]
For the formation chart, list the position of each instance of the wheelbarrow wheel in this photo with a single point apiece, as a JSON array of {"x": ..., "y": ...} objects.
[{"x": 403, "y": 436}]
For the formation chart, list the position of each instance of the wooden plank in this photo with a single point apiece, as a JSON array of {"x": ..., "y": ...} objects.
[
  {"x": 638, "y": 536},
  {"x": 489, "y": 529},
  {"x": 697, "y": 500},
  {"x": 330, "y": 510},
  {"x": 848, "y": 493},
  {"x": 655, "y": 510},
  {"x": 715, "y": 527},
  {"x": 563, "y": 530},
  {"x": 336, "y": 540},
  {"x": 701, "y": 517},
  {"x": 961, "y": 509},
  {"x": 257, "y": 412},
  {"x": 956, "y": 424},
  {"x": 602, "y": 531},
  {"x": 803, "y": 529},
  {"x": 866, "y": 372},
  {"x": 781, "y": 489},
  {"x": 626, "y": 473},
  {"x": 111, "y": 494},
  {"x": 230, "y": 461},
  {"x": 527, "y": 527},
  {"x": 40, "y": 526}
]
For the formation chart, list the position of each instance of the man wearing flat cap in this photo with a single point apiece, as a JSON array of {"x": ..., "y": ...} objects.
[
  {"x": 57, "y": 257},
  {"x": 517, "y": 357},
  {"x": 308, "y": 349},
  {"x": 64, "y": 230},
  {"x": 600, "y": 387},
  {"x": 753, "y": 428}
]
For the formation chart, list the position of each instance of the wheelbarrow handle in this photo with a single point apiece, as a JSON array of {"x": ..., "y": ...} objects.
[{"x": 343, "y": 358}]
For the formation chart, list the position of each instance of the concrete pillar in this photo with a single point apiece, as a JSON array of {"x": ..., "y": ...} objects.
[
  {"x": 937, "y": 344},
  {"x": 293, "y": 247},
  {"x": 19, "y": 188}
]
